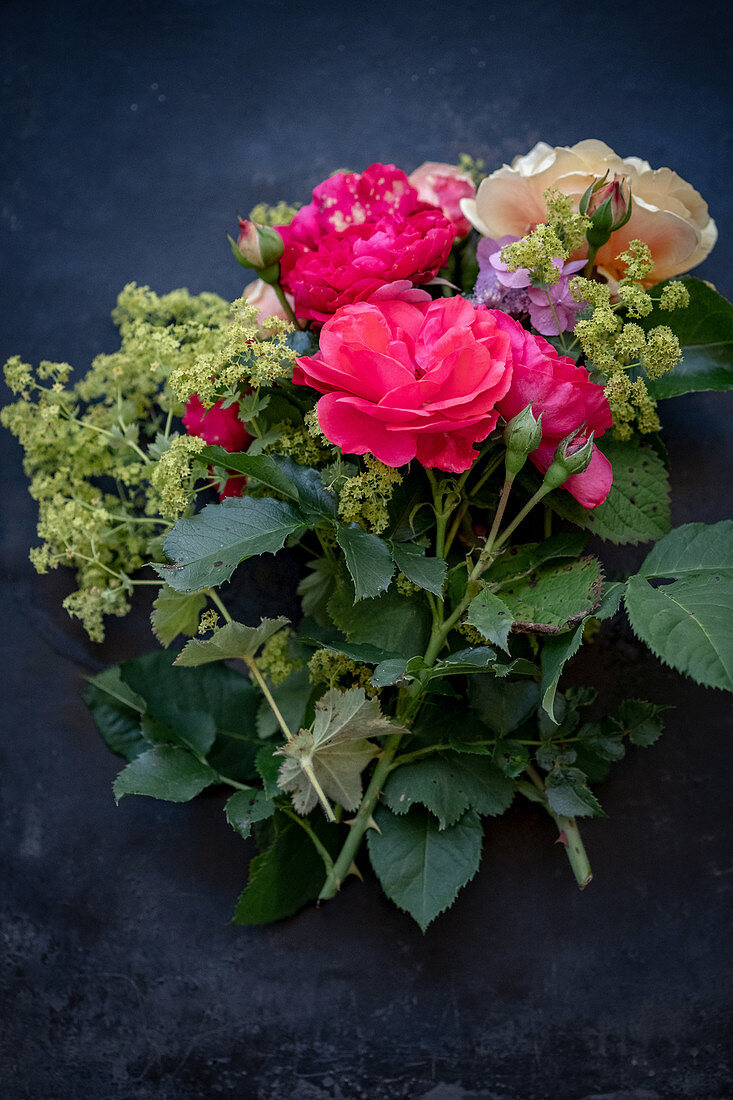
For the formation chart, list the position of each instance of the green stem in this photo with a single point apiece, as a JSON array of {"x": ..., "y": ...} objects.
[
  {"x": 318, "y": 844},
  {"x": 361, "y": 822},
  {"x": 569, "y": 837},
  {"x": 216, "y": 600},
  {"x": 560, "y": 336},
  {"x": 285, "y": 304},
  {"x": 506, "y": 489},
  {"x": 535, "y": 499}
]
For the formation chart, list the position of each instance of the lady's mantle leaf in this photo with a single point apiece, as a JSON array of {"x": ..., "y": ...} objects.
[
  {"x": 448, "y": 784},
  {"x": 164, "y": 772},
  {"x": 421, "y": 867},
  {"x": 688, "y": 623},
  {"x": 336, "y": 749},
  {"x": 368, "y": 560},
  {"x": 176, "y": 613},
  {"x": 231, "y": 640},
  {"x": 205, "y": 549}
]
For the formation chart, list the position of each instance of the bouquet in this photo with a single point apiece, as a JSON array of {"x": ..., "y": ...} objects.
[{"x": 439, "y": 399}]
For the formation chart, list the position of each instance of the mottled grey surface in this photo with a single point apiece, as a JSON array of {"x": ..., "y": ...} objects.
[{"x": 133, "y": 138}]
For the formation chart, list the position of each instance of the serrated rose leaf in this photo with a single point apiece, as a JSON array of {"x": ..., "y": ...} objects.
[
  {"x": 176, "y": 613},
  {"x": 245, "y": 808},
  {"x": 166, "y": 772},
  {"x": 421, "y": 867},
  {"x": 427, "y": 573},
  {"x": 705, "y": 332},
  {"x": 491, "y": 617},
  {"x": 368, "y": 560},
  {"x": 448, "y": 784},
  {"x": 553, "y": 599}
]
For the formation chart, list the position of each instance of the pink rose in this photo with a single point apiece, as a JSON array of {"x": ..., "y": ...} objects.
[
  {"x": 444, "y": 185},
  {"x": 406, "y": 380},
  {"x": 562, "y": 392},
  {"x": 359, "y": 234},
  {"x": 222, "y": 427}
]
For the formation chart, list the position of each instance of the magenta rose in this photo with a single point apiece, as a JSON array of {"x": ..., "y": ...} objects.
[
  {"x": 404, "y": 380},
  {"x": 222, "y": 427},
  {"x": 567, "y": 399},
  {"x": 360, "y": 233}
]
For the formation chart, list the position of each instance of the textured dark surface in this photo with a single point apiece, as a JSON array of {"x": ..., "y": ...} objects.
[{"x": 132, "y": 139}]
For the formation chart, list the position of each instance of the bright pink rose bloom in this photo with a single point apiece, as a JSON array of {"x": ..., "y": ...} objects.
[
  {"x": 406, "y": 380},
  {"x": 221, "y": 427},
  {"x": 562, "y": 392},
  {"x": 360, "y": 233},
  {"x": 444, "y": 185}
]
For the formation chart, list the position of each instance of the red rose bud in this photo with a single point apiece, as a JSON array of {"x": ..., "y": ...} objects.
[
  {"x": 567, "y": 462},
  {"x": 607, "y": 207},
  {"x": 259, "y": 247},
  {"x": 522, "y": 435}
]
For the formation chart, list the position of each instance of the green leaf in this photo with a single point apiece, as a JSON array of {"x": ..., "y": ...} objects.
[
  {"x": 637, "y": 507},
  {"x": 705, "y": 333},
  {"x": 245, "y": 808},
  {"x": 176, "y": 613},
  {"x": 503, "y": 705},
  {"x": 688, "y": 623},
  {"x": 396, "y": 625},
  {"x": 185, "y": 705},
  {"x": 231, "y": 641},
  {"x": 316, "y": 588},
  {"x": 640, "y": 720},
  {"x": 116, "y": 710},
  {"x": 263, "y": 468},
  {"x": 389, "y": 672},
  {"x": 316, "y": 501},
  {"x": 555, "y": 598},
  {"x": 421, "y": 867},
  {"x": 166, "y": 772},
  {"x": 335, "y": 749},
  {"x": 556, "y": 652},
  {"x": 511, "y": 757},
  {"x": 448, "y": 784},
  {"x": 695, "y": 549},
  {"x": 205, "y": 549},
  {"x": 426, "y": 573},
  {"x": 568, "y": 794},
  {"x": 267, "y": 762},
  {"x": 286, "y": 875},
  {"x": 368, "y": 560},
  {"x": 520, "y": 561},
  {"x": 610, "y": 604},
  {"x": 491, "y": 617}
]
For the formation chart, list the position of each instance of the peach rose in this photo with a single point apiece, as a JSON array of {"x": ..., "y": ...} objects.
[
  {"x": 668, "y": 214},
  {"x": 444, "y": 185}
]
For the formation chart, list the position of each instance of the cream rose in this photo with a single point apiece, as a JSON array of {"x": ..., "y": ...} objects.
[
  {"x": 263, "y": 296},
  {"x": 668, "y": 214}
]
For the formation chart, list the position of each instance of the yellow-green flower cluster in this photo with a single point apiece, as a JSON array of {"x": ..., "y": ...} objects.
[
  {"x": 405, "y": 586},
  {"x": 242, "y": 354},
  {"x": 173, "y": 475},
  {"x": 336, "y": 670},
  {"x": 616, "y": 348},
  {"x": 562, "y": 233},
  {"x": 298, "y": 442},
  {"x": 471, "y": 167},
  {"x": 209, "y": 621},
  {"x": 365, "y": 498},
  {"x": 275, "y": 660},
  {"x": 282, "y": 213}
]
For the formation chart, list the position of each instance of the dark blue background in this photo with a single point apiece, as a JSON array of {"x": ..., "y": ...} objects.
[{"x": 132, "y": 139}]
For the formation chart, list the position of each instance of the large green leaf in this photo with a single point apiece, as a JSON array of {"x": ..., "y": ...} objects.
[
  {"x": 553, "y": 599},
  {"x": 705, "y": 333},
  {"x": 503, "y": 705},
  {"x": 555, "y": 653},
  {"x": 233, "y": 640},
  {"x": 688, "y": 623},
  {"x": 286, "y": 875},
  {"x": 448, "y": 784},
  {"x": 368, "y": 560},
  {"x": 491, "y": 617},
  {"x": 205, "y": 549},
  {"x": 637, "y": 507},
  {"x": 394, "y": 624},
  {"x": 117, "y": 711},
  {"x": 166, "y": 772},
  {"x": 421, "y": 867}
]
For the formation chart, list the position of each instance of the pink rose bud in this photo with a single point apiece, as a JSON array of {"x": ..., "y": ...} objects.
[
  {"x": 259, "y": 247},
  {"x": 607, "y": 207}
]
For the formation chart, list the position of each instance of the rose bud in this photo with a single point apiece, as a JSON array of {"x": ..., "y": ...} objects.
[
  {"x": 259, "y": 247},
  {"x": 567, "y": 462},
  {"x": 607, "y": 207},
  {"x": 522, "y": 435}
]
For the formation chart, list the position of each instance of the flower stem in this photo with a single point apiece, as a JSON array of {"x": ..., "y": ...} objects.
[
  {"x": 569, "y": 836},
  {"x": 361, "y": 822},
  {"x": 285, "y": 304}
]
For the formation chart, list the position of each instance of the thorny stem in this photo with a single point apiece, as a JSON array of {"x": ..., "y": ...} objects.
[{"x": 569, "y": 836}]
